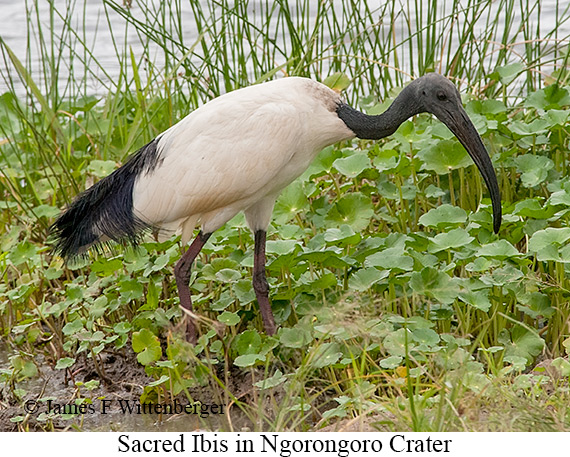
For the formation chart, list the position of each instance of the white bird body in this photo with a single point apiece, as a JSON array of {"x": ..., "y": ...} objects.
[
  {"x": 212, "y": 167},
  {"x": 236, "y": 153}
]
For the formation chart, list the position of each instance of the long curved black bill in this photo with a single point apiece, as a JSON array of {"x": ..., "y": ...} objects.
[{"x": 465, "y": 131}]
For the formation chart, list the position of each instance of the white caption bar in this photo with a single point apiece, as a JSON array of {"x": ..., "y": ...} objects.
[{"x": 272, "y": 444}]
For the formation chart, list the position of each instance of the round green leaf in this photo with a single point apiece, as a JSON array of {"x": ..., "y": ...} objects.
[
  {"x": 248, "y": 360},
  {"x": 325, "y": 355},
  {"x": 147, "y": 346},
  {"x": 434, "y": 283},
  {"x": 453, "y": 239},
  {"x": 534, "y": 168},
  {"x": 443, "y": 216},
  {"x": 500, "y": 249},
  {"x": 64, "y": 362},
  {"x": 229, "y": 318},
  {"x": 353, "y": 165},
  {"x": 294, "y": 337},
  {"x": 392, "y": 362},
  {"x": 364, "y": 278},
  {"x": 353, "y": 209},
  {"x": 444, "y": 156}
]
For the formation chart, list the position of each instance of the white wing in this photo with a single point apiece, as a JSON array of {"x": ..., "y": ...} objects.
[{"x": 236, "y": 150}]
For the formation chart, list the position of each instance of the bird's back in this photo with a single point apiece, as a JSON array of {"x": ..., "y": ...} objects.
[{"x": 235, "y": 150}]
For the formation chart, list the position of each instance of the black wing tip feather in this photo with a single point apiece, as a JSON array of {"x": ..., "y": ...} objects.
[{"x": 104, "y": 212}]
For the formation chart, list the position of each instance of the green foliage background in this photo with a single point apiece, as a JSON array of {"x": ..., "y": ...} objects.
[{"x": 390, "y": 289}]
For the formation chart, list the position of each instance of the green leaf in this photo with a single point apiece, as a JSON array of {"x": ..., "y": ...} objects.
[
  {"x": 533, "y": 208},
  {"x": 295, "y": 337},
  {"x": 101, "y": 168},
  {"x": 131, "y": 289},
  {"x": 210, "y": 270},
  {"x": 477, "y": 298},
  {"x": 500, "y": 249},
  {"x": 281, "y": 247},
  {"x": 163, "y": 379},
  {"x": 72, "y": 327},
  {"x": 444, "y": 156},
  {"x": 502, "y": 276},
  {"x": 106, "y": 267},
  {"x": 248, "y": 360},
  {"x": 425, "y": 336},
  {"x": 228, "y": 275},
  {"x": 151, "y": 296},
  {"x": 325, "y": 355},
  {"x": 24, "y": 367},
  {"x": 161, "y": 261},
  {"x": 493, "y": 107},
  {"x": 122, "y": 327},
  {"x": 24, "y": 252},
  {"x": 395, "y": 342},
  {"x": 434, "y": 283},
  {"x": 323, "y": 163},
  {"x": 444, "y": 216},
  {"x": 392, "y": 362},
  {"x": 507, "y": 73},
  {"x": 535, "y": 305},
  {"x": 337, "y": 81},
  {"x": 353, "y": 165},
  {"x": 322, "y": 282},
  {"x": 386, "y": 160},
  {"x": 561, "y": 197},
  {"x": 343, "y": 235},
  {"x": 243, "y": 291},
  {"x": 291, "y": 201},
  {"x": 393, "y": 258},
  {"x": 455, "y": 238},
  {"x": 229, "y": 318},
  {"x": 275, "y": 380},
  {"x": 53, "y": 273},
  {"x": 99, "y": 307},
  {"x": 551, "y": 244},
  {"x": 536, "y": 127},
  {"x": 552, "y": 96},
  {"x": 46, "y": 211},
  {"x": 522, "y": 342},
  {"x": 248, "y": 342},
  {"x": 534, "y": 168},
  {"x": 562, "y": 365},
  {"x": 64, "y": 362},
  {"x": 147, "y": 345},
  {"x": 556, "y": 117},
  {"x": 365, "y": 278},
  {"x": 548, "y": 237},
  {"x": 353, "y": 209}
]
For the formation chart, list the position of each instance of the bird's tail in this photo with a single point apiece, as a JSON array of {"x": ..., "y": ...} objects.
[{"x": 105, "y": 211}]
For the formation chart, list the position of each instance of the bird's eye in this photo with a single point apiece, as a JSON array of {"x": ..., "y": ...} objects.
[{"x": 441, "y": 96}]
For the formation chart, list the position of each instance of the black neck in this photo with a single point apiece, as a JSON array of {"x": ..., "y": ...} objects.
[{"x": 375, "y": 127}]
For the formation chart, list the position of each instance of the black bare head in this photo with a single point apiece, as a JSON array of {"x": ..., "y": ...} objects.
[{"x": 437, "y": 95}]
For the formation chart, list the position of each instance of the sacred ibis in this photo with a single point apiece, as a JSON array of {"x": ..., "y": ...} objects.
[{"x": 236, "y": 153}]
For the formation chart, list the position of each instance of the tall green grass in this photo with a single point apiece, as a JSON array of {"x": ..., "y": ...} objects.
[
  {"x": 490, "y": 48},
  {"x": 487, "y": 48}
]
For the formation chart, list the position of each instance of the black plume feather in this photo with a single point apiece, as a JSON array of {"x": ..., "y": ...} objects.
[{"x": 105, "y": 211}]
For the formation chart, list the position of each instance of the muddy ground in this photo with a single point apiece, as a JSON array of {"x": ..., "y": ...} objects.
[{"x": 107, "y": 410}]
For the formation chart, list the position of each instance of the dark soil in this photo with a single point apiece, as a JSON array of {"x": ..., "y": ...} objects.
[{"x": 125, "y": 378}]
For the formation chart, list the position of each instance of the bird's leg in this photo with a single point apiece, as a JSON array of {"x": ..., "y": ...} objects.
[
  {"x": 182, "y": 275},
  {"x": 260, "y": 285}
]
